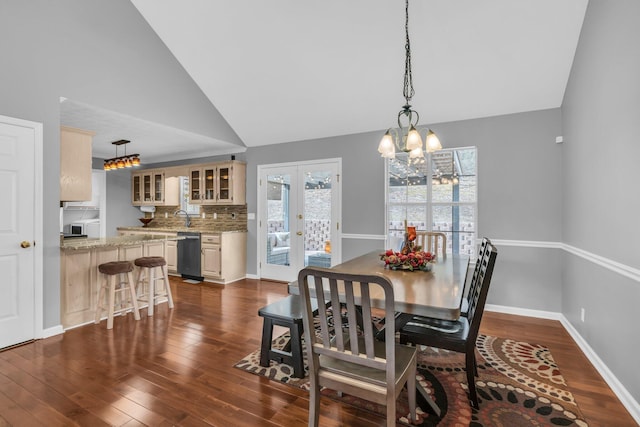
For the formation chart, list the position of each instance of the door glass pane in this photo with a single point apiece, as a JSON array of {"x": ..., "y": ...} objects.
[
  {"x": 317, "y": 218},
  {"x": 278, "y": 229}
]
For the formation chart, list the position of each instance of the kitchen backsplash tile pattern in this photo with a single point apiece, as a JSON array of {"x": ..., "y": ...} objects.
[{"x": 228, "y": 218}]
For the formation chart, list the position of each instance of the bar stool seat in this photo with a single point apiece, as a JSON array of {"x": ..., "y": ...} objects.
[
  {"x": 146, "y": 279},
  {"x": 113, "y": 273}
]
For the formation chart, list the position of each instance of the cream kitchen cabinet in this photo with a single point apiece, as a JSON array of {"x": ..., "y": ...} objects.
[
  {"x": 224, "y": 256},
  {"x": 152, "y": 188},
  {"x": 210, "y": 249},
  {"x": 75, "y": 164},
  {"x": 218, "y": 183}
]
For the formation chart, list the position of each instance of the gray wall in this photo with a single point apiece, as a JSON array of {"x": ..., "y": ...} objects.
[
  {"x": 101, "y": 53},
  {"x": 601, "y": 112},
  {"x": 519, "y": 168}
]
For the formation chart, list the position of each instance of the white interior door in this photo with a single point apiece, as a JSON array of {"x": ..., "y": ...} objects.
[
  {"x": 17, "y": 231},
  {"x": 299, "y": 217}
]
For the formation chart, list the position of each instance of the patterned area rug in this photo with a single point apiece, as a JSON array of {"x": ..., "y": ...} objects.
[{"x": 519, "y": 384}]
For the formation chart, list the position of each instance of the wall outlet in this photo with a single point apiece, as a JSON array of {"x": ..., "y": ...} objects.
[
  {"x": 215, "y": 215},
  {"x": 204, "y": 215},
  {"x": 166, "y": 214},
  {"x": 582, "y": 313}
]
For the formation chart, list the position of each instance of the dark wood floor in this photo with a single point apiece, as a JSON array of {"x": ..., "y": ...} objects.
[{"x": 176, "y": 368}]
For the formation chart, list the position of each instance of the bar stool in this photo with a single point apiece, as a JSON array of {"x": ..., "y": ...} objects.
[
  {"x": 146, "y": 276},
  {"x": 114, "y": 272}
]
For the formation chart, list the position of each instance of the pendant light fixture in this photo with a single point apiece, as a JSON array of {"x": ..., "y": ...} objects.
[
  {"x": 121, "y": 162},
  {"x": 407, "y": 138}
]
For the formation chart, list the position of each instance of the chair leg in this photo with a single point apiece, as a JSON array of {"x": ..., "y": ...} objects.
[
  {"x": 314, "y": 402},
  {"x": 100, "y": 302},
  {"x": 134, "y": 298},
  {"x": 112, "y": 299},
  {"x": 471, "y": 380},
  {"x": 152, "y": 291},
  {"x": 265, "y": 347},
  {"x": 296, "y": 350},
  {"x": 167, "y": 285},
  {"x": 411, "y": 390},
  {"x": 391, "y": 410}
]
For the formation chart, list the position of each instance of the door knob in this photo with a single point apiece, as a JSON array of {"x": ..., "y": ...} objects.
[
  {"x": 25, "y": 244},
  {"x": 299, "y": 233}
]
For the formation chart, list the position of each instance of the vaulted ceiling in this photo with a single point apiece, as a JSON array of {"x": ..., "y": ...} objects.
[{"x": 291, "y": 70}]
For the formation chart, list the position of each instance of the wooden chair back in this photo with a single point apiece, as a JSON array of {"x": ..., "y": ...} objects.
[
  {"x": 479, "y": 288},
  {"x": 433, "y": 242}
]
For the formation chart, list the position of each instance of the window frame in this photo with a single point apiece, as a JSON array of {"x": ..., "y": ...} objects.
[{"x": 429, "y": 204}]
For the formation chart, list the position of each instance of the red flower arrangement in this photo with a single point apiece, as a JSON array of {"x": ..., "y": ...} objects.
[{"x": 411, "y": 261}]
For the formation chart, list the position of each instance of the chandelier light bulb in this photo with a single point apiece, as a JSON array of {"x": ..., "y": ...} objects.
[
  {"x": 413, "y": 139},
  {"x": 433, "y": 143},
  {"x": 387, "y": 146}
]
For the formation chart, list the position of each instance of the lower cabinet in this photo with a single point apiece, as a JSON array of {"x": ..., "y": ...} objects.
[
  {"x": 224, "y": 256},
  {"x": 210, "y": 260},
  {"x": 171, "y": 255}
]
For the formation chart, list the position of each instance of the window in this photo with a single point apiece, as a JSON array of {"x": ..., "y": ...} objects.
[
  {"x": 437, "y": 193},
  {"x": 184, "y": 198}
]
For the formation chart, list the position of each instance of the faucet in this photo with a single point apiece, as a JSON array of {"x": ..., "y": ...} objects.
[{"x": 187, "y": 220}]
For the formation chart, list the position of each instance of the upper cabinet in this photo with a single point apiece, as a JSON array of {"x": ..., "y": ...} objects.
[
  {"x": 221, "y": 183},
  {"x": 75, "y": 164},
  {"x": 218, "y": 183},
  {"x": 152, "y": 187}
]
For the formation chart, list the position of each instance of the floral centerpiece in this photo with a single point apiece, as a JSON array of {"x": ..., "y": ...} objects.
[{"x": 414, "y": 260}]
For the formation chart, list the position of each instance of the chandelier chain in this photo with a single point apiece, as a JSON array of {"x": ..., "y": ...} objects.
[{"x": 408, "y": 90}]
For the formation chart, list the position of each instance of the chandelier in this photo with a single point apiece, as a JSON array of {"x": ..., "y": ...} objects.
[
  {"x": 407, "y": 138},
  {"x": 121, "y": 162}
]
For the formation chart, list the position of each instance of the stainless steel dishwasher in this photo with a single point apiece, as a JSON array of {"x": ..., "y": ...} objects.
[{"x": 189, "y": 255}]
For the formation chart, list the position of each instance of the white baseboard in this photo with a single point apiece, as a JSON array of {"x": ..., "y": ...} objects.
[
  {"x": 616, "y": 386},
  {"x": 252, "y": 276},
  {"x": 50, "y": 332},
  {"x": 518, "y": 311}
]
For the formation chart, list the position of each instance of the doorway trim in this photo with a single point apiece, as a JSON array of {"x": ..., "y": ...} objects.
[
  {"x": 38, "y": 231},
  {"x": 260, "y": 238}
]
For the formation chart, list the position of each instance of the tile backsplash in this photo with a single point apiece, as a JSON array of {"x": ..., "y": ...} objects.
[{"x": 228, "y": 218}]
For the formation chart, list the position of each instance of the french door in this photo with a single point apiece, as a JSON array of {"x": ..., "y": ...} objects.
[{"x": 299, "y": 208}]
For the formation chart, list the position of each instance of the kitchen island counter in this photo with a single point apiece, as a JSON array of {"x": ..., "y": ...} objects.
[
  {"x": 117, "y": 241},
  {"x": 204, "y": 230}
]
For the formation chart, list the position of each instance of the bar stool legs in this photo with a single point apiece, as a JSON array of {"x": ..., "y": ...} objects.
[
  {"x": 146, "y": 278},
  {"x": 113, "y": 273}
]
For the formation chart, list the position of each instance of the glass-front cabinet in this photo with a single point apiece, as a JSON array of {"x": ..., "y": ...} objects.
[
  {"x": 152, "y": 188},
  {"x": 136, "y": 189},
  {"x": 209, "y": 174},
  {"x": 218, "y": 183},
  {"x": 195, "y": 181}
]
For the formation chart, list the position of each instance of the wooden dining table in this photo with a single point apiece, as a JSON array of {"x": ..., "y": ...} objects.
[{"x": 437, "y": 293}]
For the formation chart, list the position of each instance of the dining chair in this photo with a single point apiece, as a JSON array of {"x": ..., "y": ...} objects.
[
  {"x": 433, "y": 242},
  {"x": 349, "y": 359},
  {"x": 459, "y": 336}
]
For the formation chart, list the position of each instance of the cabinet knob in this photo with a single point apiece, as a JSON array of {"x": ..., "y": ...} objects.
[
  {"x": 25, "y": 244},
  {"x": 299, "y": 233}
]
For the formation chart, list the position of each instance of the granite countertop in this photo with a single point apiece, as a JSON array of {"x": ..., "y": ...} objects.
[
  {"x": 177, "y": 229},
  {"x": 80, "y": 243}
]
